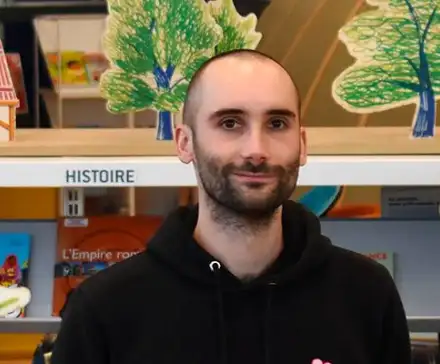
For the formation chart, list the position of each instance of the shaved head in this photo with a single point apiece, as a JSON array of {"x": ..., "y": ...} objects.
[
  {"x": 198, "y": 83},
  {"x": 241, "y": 129}
]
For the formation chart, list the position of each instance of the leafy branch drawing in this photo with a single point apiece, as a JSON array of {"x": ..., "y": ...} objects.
[
  {"x": 397, "y": 49},
  {"x": 155, "y": 46}
]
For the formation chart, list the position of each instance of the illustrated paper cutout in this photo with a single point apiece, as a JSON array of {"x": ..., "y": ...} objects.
[
  {"x": 237, "y": 32},
  {"x": 154, "y": 47},
  {"x": 13, "y": 300},
  {"x": 397, "y": 49}
]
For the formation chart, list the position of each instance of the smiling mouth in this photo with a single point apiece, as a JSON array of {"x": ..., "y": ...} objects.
[{"x": 254, "y": 177}]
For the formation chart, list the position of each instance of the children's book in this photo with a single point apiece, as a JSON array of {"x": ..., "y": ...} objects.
[
  {"x": 76, "y": 67},
  {"x": 14, "y": 263},
  {"x": 67, "y": 68},
  {"x": 88, "y": 245},
  {"x": 96, "y": 64}
]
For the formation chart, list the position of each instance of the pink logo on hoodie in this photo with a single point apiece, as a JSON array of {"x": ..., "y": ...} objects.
[{"x": 319, "y": 361}]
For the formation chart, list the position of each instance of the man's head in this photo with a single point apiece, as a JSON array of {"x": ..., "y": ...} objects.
[{"x": 241, "y": 128}]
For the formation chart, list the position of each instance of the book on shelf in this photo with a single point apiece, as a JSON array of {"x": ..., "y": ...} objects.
[
  {"x": 14, "y": 264},
  {"x": 88, "y": 245},
  {"x": 76, "y": 68}
]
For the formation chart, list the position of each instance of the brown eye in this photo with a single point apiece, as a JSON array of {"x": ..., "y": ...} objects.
[
  {"x": 229, "y": 123},
  {"x": 277, "y": 123}
]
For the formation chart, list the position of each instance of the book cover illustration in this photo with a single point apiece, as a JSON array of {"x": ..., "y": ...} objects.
[
  {"x": 14, "y": 262},
  {"x": 16, "y": 70},
  {"x": 88, "y": 245},
  {"x": 75, "y": 68}
]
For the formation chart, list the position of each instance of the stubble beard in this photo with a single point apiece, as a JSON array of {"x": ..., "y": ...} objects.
[{"x": 229, "y": 206}]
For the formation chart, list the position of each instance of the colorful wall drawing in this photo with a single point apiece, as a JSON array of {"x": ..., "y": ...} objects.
[
  {"x": 396, "y": 48},
  {"x": 155, "y": 46}
]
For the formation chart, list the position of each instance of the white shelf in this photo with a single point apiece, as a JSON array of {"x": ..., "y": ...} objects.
[
  {"x": 52, "y": 325},
  {"x": 30, "y": 325},
  {"x": 169, "y": 171}
]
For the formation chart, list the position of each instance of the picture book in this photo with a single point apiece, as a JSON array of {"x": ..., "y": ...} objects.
[
  {"x": 87, "y": 245},
  {"x": 14, "y": 263},
  {"x": 96, "y": 64},
  {"x": 75, "y": 67}
]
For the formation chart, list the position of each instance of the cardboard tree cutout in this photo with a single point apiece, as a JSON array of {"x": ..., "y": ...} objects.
[
  {"x": 155, "y": 46},
  {"x": 396, "y": 47}
]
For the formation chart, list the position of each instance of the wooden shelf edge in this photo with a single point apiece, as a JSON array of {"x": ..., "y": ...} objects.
[
  {"x": 321, "y": 141},
  {"x": 347, "y": 141}
]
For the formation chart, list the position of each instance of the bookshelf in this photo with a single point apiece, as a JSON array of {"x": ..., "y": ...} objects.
[
  {"x": 349, "y": 156},
  {"x": 336, "y": 158}
]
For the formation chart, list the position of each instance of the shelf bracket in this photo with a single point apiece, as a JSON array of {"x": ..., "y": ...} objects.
[{"x": 73, "y": 202}]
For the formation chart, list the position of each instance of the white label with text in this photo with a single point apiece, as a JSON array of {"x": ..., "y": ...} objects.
[{"x": 100, "y": 176}]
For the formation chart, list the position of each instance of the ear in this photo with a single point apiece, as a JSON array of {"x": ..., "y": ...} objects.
[
  {"x": 184, "y": 143},
  {"x": 303, "y": 146}
]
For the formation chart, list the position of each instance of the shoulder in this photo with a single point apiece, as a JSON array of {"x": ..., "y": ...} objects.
[
  {"x": 366, "y": 279},
  {"x": 359, "y": 263},
  {"x": 122, "y": 279}
]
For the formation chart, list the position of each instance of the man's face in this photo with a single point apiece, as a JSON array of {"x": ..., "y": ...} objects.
[{"x": 247, "y": 143}]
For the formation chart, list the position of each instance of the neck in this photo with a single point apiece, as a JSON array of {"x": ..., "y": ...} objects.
[{"x": 246, "y": 248}]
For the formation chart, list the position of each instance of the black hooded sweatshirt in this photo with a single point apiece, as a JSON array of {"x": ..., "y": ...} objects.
[{"x": 176, "y": 304}]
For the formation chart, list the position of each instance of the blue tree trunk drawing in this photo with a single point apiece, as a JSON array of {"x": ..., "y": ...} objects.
[
  {"x": 165, "y": 118},
  {"x": 424, "y": 123},
  {"x": 164, "y": 126}
]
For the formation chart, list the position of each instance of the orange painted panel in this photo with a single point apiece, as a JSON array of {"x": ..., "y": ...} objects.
[
  {"x": 15, "y": 348},
  {"x": 28, "y": 203}
]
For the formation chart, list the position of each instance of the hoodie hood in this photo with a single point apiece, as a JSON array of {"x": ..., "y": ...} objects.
[{"x": 305, "y": 249}]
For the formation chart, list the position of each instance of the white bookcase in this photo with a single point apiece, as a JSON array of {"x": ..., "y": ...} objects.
[{"x": 121, "y": 151}]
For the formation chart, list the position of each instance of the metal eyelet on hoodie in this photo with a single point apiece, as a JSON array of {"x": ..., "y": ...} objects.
[{"x": 214, "y": 266}]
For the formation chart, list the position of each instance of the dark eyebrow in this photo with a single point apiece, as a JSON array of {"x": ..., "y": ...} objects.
[
  {"x": 225, "y": 112},
  {"x": 232, "y": 111},
  {"x": 282, "y": 112}
]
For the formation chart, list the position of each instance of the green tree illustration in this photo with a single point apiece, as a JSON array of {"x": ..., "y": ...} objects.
[
  {"x": 155, "y": 47},
  {"x": 397, "y": 52},
  {"x": 237, "y": 32}
]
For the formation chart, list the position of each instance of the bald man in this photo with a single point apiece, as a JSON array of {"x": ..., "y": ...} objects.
[{"x": 245, "y": 276}]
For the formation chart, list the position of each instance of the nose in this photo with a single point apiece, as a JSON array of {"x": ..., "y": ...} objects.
[{"x": 254, "y": 147}]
